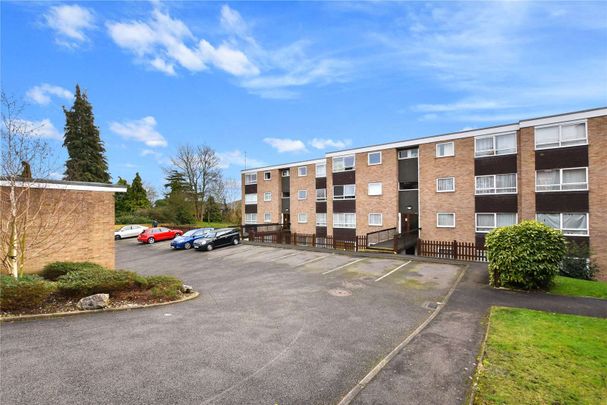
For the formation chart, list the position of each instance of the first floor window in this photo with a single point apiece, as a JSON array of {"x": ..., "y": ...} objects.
[
  {"x": 267, "y": 217},
  {"x": 445, "y": 184},
  {"x": 321, "y": 219},
  {"x": 562, "y": 179},
  {"x": 375, "y": 188},
  {"x": 408, "y": 185},
  {"x": 445, "y": 220},
  {"x": 561, "y": 135},
  {"x": 267, "y": 196},
  {"x": 285, "y": 173},
  {"x": 345, "y": 192},
  {"x": 495, "y": 145},
  {"x": 408, "y": 153},
  {"x": 250, "y": 218},
  {"x": 267, "y": 175},
  {"x": 344, "y": 220},
  {"x": 374, "y": 158},
  {"x": 321, "y": 170},
  {"x": 250, "y": 198},
  {"x": 302, "y": 171},
  {"x": 496, "y": 184},
  {"x": 321, "y": 194},
  {"x": 488, "y": 221},
  {"x": 302, "y": 218},
  {"x": 250, "y": 178},
  {"x": 302, "y": 194},
  {"x": 375, "y": 219},
  {"x": 573, "y": 224},
  {"x": 445, "y": 149},
  {"x": 343, "y": 163}
]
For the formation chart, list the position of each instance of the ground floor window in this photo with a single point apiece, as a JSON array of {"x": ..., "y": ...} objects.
[
  {"x": 375, "y": 219},
  {"x": 344, "y": 220},
  {"x": 302, "y": 218},
  {"x": 445, "y": 220},
  {"x": 485, "y": 222},
  {"x": 321, "y": 219},
  {"x": 267, "y": 217},
  {"x": 250, "y": 218},
  {"x": 574, "y": 224}
]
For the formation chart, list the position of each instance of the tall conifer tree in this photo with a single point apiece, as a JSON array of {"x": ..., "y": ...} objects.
[{"x": 86, "y": 153}]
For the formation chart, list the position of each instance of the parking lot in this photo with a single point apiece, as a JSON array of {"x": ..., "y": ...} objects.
[{"x": 272, "y": 326}]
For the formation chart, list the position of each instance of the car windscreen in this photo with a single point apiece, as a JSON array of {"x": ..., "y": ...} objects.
[
  {"x": 190, "y": 233},
  {"x": 210, "y": 235}
]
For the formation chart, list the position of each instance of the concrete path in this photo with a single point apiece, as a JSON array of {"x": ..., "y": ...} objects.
[{"x": 437, "y": 366}]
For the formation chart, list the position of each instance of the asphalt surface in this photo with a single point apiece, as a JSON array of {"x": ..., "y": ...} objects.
[{"x": 269, "y": 328}]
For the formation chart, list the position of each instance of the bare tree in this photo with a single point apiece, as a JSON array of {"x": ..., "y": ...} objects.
[{"x": 150, "y": 192}]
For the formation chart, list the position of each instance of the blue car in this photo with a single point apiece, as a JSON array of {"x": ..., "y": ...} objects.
[{"x": 186, "y": 241}]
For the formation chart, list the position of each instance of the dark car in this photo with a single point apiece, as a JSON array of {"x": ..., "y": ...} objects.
[{"x": 217, "y": 238}]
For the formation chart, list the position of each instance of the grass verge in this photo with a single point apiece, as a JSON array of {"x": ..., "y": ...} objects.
[
  {"x": 579, "y": 288},
  {"x": 534, "y": 357}
]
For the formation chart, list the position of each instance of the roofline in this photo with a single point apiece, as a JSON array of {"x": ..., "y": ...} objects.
[
  {"x": 284, "y": 165},
  {"x": 62, "y": 185}
]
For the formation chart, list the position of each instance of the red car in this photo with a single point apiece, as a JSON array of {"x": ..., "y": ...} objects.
[{"x": 152, "y": 235}]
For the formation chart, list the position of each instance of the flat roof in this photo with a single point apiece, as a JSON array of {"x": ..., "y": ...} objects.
[{"x": 63, "y": 185}]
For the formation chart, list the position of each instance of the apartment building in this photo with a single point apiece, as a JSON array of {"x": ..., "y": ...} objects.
[{"x": 455, "y": 186}]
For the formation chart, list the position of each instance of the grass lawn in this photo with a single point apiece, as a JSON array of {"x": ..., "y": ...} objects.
[
  {"x": 534, "y": 357},
  {"x": 579, "y": 288},
  {"x": 199, "y": 224}
]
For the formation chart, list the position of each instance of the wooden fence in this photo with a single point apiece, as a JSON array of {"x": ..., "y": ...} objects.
[
  {"x": 356, "y": 244},
  {"x": 451, "y": 250}
]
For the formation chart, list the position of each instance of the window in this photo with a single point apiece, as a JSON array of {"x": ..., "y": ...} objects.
[
  {"x": 250, "y": 198},
  {"x": 496, "y": 184},
  {"x": 321, "y": 194},
  {"x": 267, "y": 196},
  {"x": 445, "y": 220},
  {"x": 302, "y": 218},
  {"x": 286, "y": 194},
  {"x": 445, "y": 184},
  {"x": 561, "y": 135},
  {"x": 267, "y": 217},
  {"x": 250, "y": 178},
  {"x": 375, "y": 219},
  {"x": 267, "y": 175},
  {"x": 285, "y": 173},
  {"x": 488, "y": 221},
  {"x": 346, "y": 192},
  {"x": 407, "y": 185},
  {"x": 445, "y": 149},
  {"x": 302, "y": 171},
  {"x": 344, "y": 163},
  {"x": 344, "y": 220},
  {"x": 374, "y": 158},
  {"x": 493, "y": 145},
  {"x": 250, "y": 218},
  {"x": 561, "y": 179},
  {"x": 375, "y": 189},
  {"x": 574, "y": 224},
  {"x": 302, "y": 194},
  {"x": 408, "y": 153},
  {"x": 321, "y": 219},
  {"x": 321, "y": 170}
]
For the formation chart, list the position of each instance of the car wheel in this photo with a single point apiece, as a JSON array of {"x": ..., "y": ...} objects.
[
  {"x": 151, "y": 240},
  {"x": 236, "y": 241},
  {"x": 187, "y": 246},
  {"x": 209, "y": 247},
  {"x": 117, "y": 237}
]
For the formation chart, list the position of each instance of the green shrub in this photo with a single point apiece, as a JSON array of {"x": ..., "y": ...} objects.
[
  {"x": 578, "y": 262},
  {"x": 132, "y": 219},
  {"x": 527, "y": 255},
  {"x": 83, "y": 283},
  {"x": 53, "y": 271},
  {"x": 28, "y": 291},
  {"x": 164, "y": 286}
]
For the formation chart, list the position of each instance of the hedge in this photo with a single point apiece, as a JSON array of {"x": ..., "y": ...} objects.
[
  {"x": 26, "y": 292},
  {"x": 53, "y": 271},
  {"x": 83, "y": 283}
]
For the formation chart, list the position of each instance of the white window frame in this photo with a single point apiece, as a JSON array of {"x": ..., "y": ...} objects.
[
  {"x": 445, "y": 178},
  {"x": 560, "y": 140},
  {"x": 321, "y": 165},
  {"x": 494, "y": 149},
  {"x": 250, "y": 202},
  {"x": 344, "y": 224},
  {"x": 381, "y": 188},
  {"x": 321, "y": 223},
  {"x": 369, "y": 158},
  {"x": 495, "y": 214},
  {"x": 408, "y": 157},
  {"x": 342, "y": 158},
  {"x": 561, "y": 222},
  {"x": 445, "y": 143},
  {"x": 285, "y": 173},
  {"x": 560, "y": 184},
  {"x": 267, "y": 217},
  {"x": 381, "y": 219},
  {"x": 267, "y": 196},
  {"x": 252, "y": 221},
  {"x": 268, "y": 175},
  {"x": 495, "y": 184},
  {"x": 351, "y": 196},
  {"x": 445, "y": 213},
  {"x": 299, "y": 171},
  {"x": 321, "y": 198},
  {"x": 299, "y": 194},
  {"x": 303, "y": 215},
  {"x": 248, "y": 178}
]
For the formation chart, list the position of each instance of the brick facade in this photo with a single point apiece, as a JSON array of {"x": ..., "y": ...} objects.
[
  {"x": 597, "y": 181},
  {"x": 526, "y": 173},
  {"x": 273, "y": 186},
  {"x": 307, "y": 206}
]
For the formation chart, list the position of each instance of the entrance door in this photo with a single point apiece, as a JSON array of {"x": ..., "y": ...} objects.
[
  {"x": 408, "y": 222},
  {"x": 286, "y": 221}
]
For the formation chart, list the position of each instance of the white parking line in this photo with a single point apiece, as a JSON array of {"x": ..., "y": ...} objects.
[
  {"x": 311, "y": 261},
  {"x": 342, "y": 266},
  {"x": 392, "y": 271},
  {"x": 289, "y": 255}
]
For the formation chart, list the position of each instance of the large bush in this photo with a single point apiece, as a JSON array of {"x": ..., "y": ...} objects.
[
  {"x": 527, "y": 255},
  {"x": 24, "y": 293},
  {"x": 82, "y": 283},
  {"x": 578, "y": 262},
  {"x": 53, "y": 271},
  {"x": 132, "y": 219}
]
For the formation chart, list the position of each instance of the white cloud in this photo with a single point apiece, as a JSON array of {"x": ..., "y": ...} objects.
[
  {"x": 458, "y": 106},
  {"x": 43, "y": 129},
  {"x": 70, "y": 23},
  {"x": 319, "y": 143},
  {"x": 150, "y": 152},
  {"x": 286, "y": 144},
  {"x": 142, "y": 130},
  {"x": 238, "y": 159},
  {"x": 42, "y": 94}
]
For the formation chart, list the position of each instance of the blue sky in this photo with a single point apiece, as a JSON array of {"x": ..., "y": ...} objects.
[{"x": 285, "y": 81}]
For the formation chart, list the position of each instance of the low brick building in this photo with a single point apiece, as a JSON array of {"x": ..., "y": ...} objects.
[{"x": 65, "y": 220}]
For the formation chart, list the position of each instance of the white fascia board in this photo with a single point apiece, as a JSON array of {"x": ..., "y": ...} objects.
[
  {"x": 555, "y": 119},
  {"x": 63, "y": 186},
  {"x": 283, "y": 166}
]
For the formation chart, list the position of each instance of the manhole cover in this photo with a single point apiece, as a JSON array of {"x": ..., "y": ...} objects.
[{"x": 339, "y": 292}]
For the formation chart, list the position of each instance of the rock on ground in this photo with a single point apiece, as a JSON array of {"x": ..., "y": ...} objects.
[{"x": 97, "y": 301}]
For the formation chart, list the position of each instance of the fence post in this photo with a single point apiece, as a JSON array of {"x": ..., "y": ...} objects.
[
  {"x": 313, "y": 240},
  {"x": 454, "y": 250},
  {"x": 356, "y": 243},
  {"x": 294, "y": 238}
]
